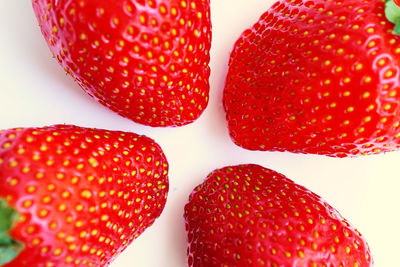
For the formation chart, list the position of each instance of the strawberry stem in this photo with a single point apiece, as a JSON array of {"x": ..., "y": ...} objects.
[
  {"x": 392, "y": 12},
  {"x": 9, "y": 248}
]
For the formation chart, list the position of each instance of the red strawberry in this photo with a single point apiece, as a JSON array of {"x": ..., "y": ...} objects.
[
  {"x": 146, "y": 60},
  {"x": 248, "y": 215},
  {"x": 81, "y": 195},
  {"x": 316, "y": 77}
]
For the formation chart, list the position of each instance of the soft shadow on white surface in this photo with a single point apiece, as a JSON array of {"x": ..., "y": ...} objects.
[
  {"x": 25, "y": 43},
  {"x": 28, "y": 64},
  {"x": 35, "y": 91}
]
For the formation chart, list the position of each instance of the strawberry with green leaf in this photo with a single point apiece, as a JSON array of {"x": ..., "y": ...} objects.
[
  {"x": 315, "y": 76},
  {"x": 247, "y": 215},
  {"x": 74, "y": 196},
  {"x": 146, "y": 60}
]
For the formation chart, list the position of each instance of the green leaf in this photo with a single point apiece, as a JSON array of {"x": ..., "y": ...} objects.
[
  {"x": 9, "y": 248},
  {"x": 10, "y": 251},
  {"x": 392, "y": 13},
  {"x": 7, "y": 216}
]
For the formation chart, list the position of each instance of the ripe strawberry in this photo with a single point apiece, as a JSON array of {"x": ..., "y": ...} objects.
[
  {"x": 316, "y": 77},
  {"x": 248, "y": 215},
  {"x": 146, "y": 60},
  {"x": 81, "y": 195}
]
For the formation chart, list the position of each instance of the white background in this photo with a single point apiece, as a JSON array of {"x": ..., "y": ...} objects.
[{"x": 35, "y": 91}]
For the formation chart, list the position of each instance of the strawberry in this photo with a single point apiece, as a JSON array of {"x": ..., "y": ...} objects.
[
  {"x": 317, "y": 77},
  {"x": 248, "y": 215},
  {"x": 146, "y": 60},
  {"x": 80, "y": 195}
]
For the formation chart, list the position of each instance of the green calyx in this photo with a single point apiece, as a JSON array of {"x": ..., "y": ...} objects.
[
  {"x": 9, "y": 248},
  {"x": 392, "y": 12}
]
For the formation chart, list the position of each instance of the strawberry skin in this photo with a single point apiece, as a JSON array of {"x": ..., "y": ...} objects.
[
  {"x": 82, "y": 194},
  {"x": 146, "y": 60},
  {"x": 247, "y": 215},
  {"x": 317, "y": 77}
]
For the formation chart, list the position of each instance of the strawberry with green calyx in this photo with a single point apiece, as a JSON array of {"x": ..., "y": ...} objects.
[
  {"x": 318, "y": 77},
  {"x": 247, "y": 215},
  {"x": 76, "y": 196},
  {"x": 146, "y": 60},
  {"x": 9, "y": 248}
]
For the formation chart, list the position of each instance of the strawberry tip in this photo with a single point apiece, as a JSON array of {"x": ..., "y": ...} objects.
[{"x": 9, "y": 247}]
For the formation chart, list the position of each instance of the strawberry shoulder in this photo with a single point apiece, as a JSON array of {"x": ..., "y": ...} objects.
[
  {"x": 146, "y": 60},
  {"x": 316, "y": 77},
  {"x": 248, "y": 215},
  {"x": 82, "y": 194}
]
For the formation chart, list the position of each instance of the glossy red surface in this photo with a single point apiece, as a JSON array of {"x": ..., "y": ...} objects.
[
  {"x": 82, "y": 194},
  {"x": 247, "y": 215},
  {"x": 146, "y": 60},
  {"x": 316, "y": 77}
]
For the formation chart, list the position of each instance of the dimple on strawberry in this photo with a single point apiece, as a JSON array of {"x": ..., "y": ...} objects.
[
  {"x": 146, "y": 60},
  {"x": 247, "y": 215},
  {"x": 317, "y": 77},
  {"x": 74, "y": 196}
]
